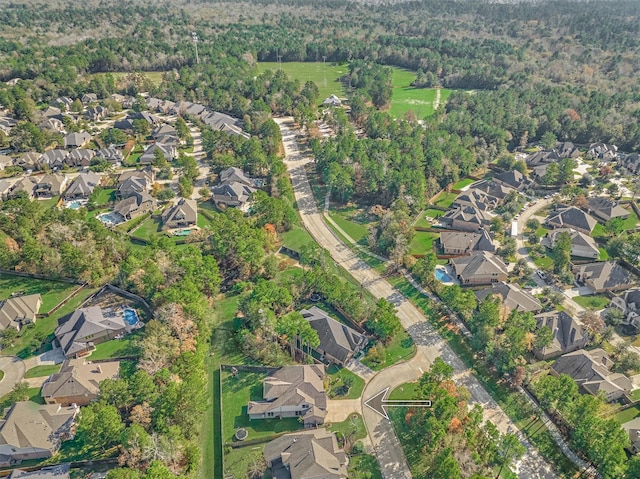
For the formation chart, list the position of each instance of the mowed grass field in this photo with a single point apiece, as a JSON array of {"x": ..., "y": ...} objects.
[
  {"x": 419, "y": 100},
  {"x": 316, "y": 72}
]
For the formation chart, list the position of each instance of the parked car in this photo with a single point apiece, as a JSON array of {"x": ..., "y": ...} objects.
[{"x": 541, "y": 275}]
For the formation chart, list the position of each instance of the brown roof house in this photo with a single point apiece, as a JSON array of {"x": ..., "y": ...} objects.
[
  {"x": 293, "y": 391},
  {"x": 463, "y": 243},
  {"x": 338, "y": 342},
  {"x": 82, "y": 186},
  {"x": 50, "y": 185},
  {"x": 78, "y": 382},
  {"x": 25, "y": 185},
  {"x": 590, "y": 369},
  {"x": 568, "y": 335},
  {"x": 306, "y": 455},
  {"x": 80, "y": 331},
  {"x": 136, "y": 204},
  {"x": 19, "y": 311},
  {"x": 184, "y": 214},
  {"x": 133, "y": 181},
  {"x": 603, "y": 276},
  {"x": 234, "y": 188},
  {"x": 77, "y": 140},
  {"x": 572, "y": 217},
  {"x": 604, "y": 209},
  {"x": 513, "y": 297},
  {"x": 35, "y": 431},
  {"x": 466, "y": 218},
  {"x": 480, "y": 267},
  {"x": 514, "y": 179},
  {"x": 582, "y": 245}
]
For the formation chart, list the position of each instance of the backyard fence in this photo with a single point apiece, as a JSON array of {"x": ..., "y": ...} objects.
[
  {"x": 39, "y": 276},
  {"x": 73, "y": 294}
]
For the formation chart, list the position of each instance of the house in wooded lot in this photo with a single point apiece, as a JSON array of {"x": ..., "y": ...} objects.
[
  {"x": 136, "y": 204},
  {"x": 50, "y": 185},
  {"x": 582, "y": 245},
  {"x": 567, "y": 149},
  {"x": 514, "y": 179},
  {"x": 480, "y": 267},
  {"x": 183, "y": 214},
  {"x": 168, "y": 152},
  {"x": 82, "y": 186},
  {"x": 77, "y": 140},
  {"x": 590, "y": 370},
  {"x": 19, "y": 311},
  {"x": 571, "y": 217},
  {"x": 568, "y": 335},
  {"x": 25, "y": 185},
  {"x": 466, "y": 218},
  {"x": 293, "y": 391},
  {"x": 632, "y": 428},
  {"x": 338, "y": 342},
  {"x": 605, "y": 209},
  {"x": 89, "y": 98},
  {"x": 306, "y": 455},
  {"x": 78, "y": 382},
  {"x": 513, "y": 297},
  {"x": 603, "y": 276},
  {"x": 602, "y": 151},
  {"x": 463, "y": 243},
  {"x": 629, "y": 304},
  {"x": 35, "y": 431}
]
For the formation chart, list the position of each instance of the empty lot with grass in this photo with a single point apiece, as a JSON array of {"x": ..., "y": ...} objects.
[
  {"x": 52, "y": 292},
  {"x": 419, "y": 100}
]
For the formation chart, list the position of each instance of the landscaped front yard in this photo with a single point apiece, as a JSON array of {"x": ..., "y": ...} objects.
[
  {"x": 42, "y": 371},
  {"x": 401, "y": 347},
  {"x": 343, "y": 384},
  {"x": 595, "y": 303}
]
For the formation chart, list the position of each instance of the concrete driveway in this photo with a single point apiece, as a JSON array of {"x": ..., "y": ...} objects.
[{"x": 14, "y": 369}]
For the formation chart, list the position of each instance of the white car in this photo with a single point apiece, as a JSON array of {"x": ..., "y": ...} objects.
[{"x": 541, "y": 274}]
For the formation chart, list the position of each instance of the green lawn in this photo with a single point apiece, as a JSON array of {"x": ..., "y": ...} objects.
[
  {"x": 153, "y": 77},
  {"x": 116, "y": 348},
  {"x": 445, "y": 199},
  {"x": 400, "y": 348},
  {"x": 346, "y": 219},
  {"x": 351, "y": 428},
  {"x": 52, "y": 292},
  {"x": 598, "y": 231},
  {"x": 405, "y": 391},
  {"x": 337, "y": 375},
  {"x": 543, "y": 262},
  {"x": 296, "y": 238},
  {"x": 604, "y": 256},
  {"x": 236, "y": 394},
  {"x": 462, "y": 183},
  {"x": 627, "y": 415},
  {"x": 32, "y": 394},
  {"x": 423, "y": 242},
  {"x": 364, "y": 466},
  {"x": 106, "y": 196},
  {"x": 32, "y": 337},
  {"x": 147, "y": 229},
  {"x": 50, "y": 203},
  {"x": 632, "y": 221},
  {"x": 42, "y": 371},
  {"x": 542, "y": 231},
  {"x": 237, "y": 462},
  {"x": 595, "y": 303},
  {"x": 404, "y": 97},
  {"x": 324, "y": 75}
]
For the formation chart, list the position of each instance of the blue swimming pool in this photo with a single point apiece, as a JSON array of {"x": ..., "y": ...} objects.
[
  {"x": 75, "y": 205},
  {"x": 441, "y": 275},
  {"x": 110, "y": 219},
  {"x": 131, "y": 317}
]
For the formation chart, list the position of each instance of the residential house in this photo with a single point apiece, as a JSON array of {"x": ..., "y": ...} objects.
[
  {"x": 126, "y": 124},
  {"x": 82, "y": 186},
  {"x": 169, "y": 153},
  {"x": 306, "y": 455},
  {"x": 164, "y": 130},
  {"x": 52, "y": 112},
  {"x": 89, "y": 98},
  {"x": 5, "y": 162},
  {"x": 136, "y": 204},
  {"x": 52, "y": 124},
  {"x": 466, "y": 218},
  {"x": 35, "y": 431},
  {"x": 629, "y": 304},
  {"x": 632, "y": 428},
  {"x": 162, "y": 106},
  {"x": 53, "y": 159},
  {"x": 183, "y": 214},
  {"x": 463, "y": 243},
  {"x": 134, "y": 181},
  {"x": 221, "y": 122},
  {"x": 514, "y": 179},
  {"x": 96, "y": 113},
  {"x": 493, "y": 189},
  {"x": 571, "y": 217},
  {"x": 234, "y": 188},
  {"x": 59, "y": 471},
  {"x": 604, "y": 209},
  {"x": 480, "y": 267},
  {"x": 513, "y": 297},
  {"x": 333, "y": 100},
  {"x": 567, "y": 149},
  {"x": 603, "y": 276},
  {"x": 79, "y": 332},
  {"x": 7, "y": 124},
  {"x": 80, "y": 157},
  {"x": 542, "y": 158},
  {"x": 568, "y": 335},
  {"x": 582, "y": 245},
  {"x": 5, "y": 189},
  {"x": 476, "y": 199},
  {"x": 78, "y": 382},
  {"x": 602, "y": 151},
  {"x": 19, "y": 311},
  {"x": 50, "y": 185},
  {"x": 338, "y": 342},
  {"x": 111, "y": 154},
  {"x": 77, "y": 140},
  {"x": 630, "y": 163},
  {"x": 591, "y": 371},
  {"x": 24, "y": 185},
  {"x": 64, "y": 102},
  {"x": 28, "y": 160},
  {"x": 293, "y": 391}
]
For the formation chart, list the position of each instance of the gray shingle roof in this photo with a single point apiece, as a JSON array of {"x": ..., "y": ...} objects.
[
  {"x": 478, "y": 263},
  {"x": 76, "y": 330},
  {"x": 78, "y": 377},
  {"x": 604, "y": 275},
  {"x": 465, "y": 241},
  {"x": 513, "y": 297},
  {"x": 59, "y": 471},
  {"x": 568, "y": 335},
  {"x": 571, "y": 217},
  {"x": 15, "y": 311}
]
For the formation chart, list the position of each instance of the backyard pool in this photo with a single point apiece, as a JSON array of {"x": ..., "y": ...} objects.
[
  {"x": 75, "y": 204},
  {"x": 110, "y": 219},
  {"x": 131, "y": 317},
  {"x": 182, "y": 233},
  {"x": 442, "y": 276}
]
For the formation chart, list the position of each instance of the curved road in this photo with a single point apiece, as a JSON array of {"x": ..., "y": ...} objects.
[
  {"x": 14, "y": 369},
  {"x": 429, "y": 344}
]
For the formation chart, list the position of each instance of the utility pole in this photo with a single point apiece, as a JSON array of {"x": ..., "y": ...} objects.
[{"x": 194, "y": 37}]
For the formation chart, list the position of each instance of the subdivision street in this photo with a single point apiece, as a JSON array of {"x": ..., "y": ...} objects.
[{"x": 429, "y": 344}]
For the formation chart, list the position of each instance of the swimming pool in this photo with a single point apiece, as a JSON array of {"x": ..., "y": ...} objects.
[
  {"x": 182, "y": 233},
  {"x": 442, "y": 276},
  {"x": 75, "y": 205},
  {"x": 131, "y": 317},
  {"x": 110, "y": 218}
]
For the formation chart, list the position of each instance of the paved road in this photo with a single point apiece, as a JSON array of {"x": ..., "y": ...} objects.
[
  {"x": 14, "y": 369},
  {"x": 429, "y": 344}
]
